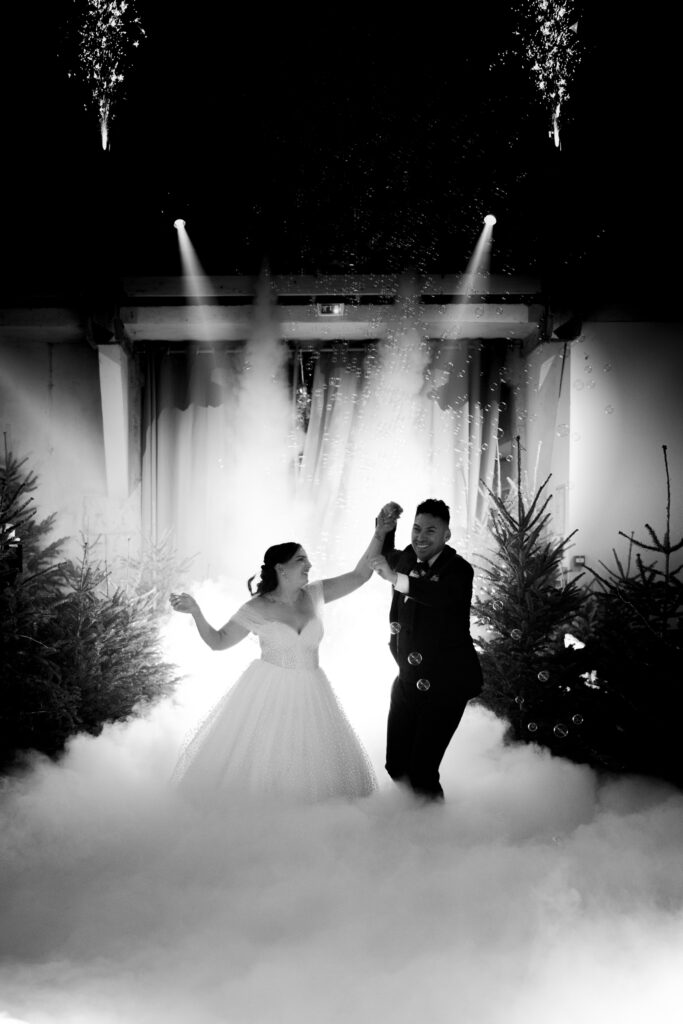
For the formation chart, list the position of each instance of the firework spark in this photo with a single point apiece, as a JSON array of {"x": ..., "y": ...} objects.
[
  {"x": 552, "y": 51},
  {"x": 108, "y": 31}
]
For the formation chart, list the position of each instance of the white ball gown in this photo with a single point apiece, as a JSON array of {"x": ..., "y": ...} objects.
[{"x": 280, "y": 731}]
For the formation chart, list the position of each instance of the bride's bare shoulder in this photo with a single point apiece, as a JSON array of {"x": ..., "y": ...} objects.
[{"x": 261, "y": 605}]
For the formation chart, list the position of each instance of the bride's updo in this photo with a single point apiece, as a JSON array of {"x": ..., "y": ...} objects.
[{"x": 277, "y": 555}]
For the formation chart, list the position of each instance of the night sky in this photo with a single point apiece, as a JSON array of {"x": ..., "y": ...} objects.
[{"x": 340, "y": 142}]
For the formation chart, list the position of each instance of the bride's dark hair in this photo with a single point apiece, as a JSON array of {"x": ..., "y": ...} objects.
[{"x": 276, "y": 555}]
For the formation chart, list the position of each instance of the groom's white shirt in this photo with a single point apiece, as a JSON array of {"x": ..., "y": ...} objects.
[{"x": 402, "y": 580}]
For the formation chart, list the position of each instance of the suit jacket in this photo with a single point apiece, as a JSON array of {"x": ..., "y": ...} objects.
[{"x": 434, "y": 623}]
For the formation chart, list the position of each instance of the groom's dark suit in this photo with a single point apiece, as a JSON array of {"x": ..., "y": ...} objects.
[{"x": 433, "y": 624}]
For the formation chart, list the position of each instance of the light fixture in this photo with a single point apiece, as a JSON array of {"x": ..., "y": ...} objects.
[
  {"x": 489, "y": 220},
  {"x": 330, "y": 308},
  {"x": 178, "y": 224}
]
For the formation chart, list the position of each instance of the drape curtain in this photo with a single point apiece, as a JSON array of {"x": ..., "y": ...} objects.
[
  {"x": 190, "y": 463},
  {"x": 228, "y": 468},
  {"x": 406, "y": 420}
]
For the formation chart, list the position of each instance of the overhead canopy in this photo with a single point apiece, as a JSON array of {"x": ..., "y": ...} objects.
[
  {"x": 315, "y": 309},
  {"x": 307, "y": 309}
]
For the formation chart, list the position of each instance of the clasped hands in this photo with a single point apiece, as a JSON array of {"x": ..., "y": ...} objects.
[
  {"x": 388, "y": 517},
  {"x": 386, "y": 522}
]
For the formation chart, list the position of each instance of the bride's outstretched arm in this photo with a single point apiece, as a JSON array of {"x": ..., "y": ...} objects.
[
  {"x": 217, "y": 639},
  {"x": 340, "y": 586}
]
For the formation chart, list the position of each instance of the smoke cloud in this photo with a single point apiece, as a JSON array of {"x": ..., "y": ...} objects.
[{"x": 536, "y": 893}]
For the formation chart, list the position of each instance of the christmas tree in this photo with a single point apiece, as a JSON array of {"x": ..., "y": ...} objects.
[
  {"x": 36, "y": 710},
  {"x": 637, "y": 650},
  {"x": 108, "y": 647},
  {"x": 154, "y": 573},
  {"x": 527, "y": 607},
  {"x": 73, "y": 655}
]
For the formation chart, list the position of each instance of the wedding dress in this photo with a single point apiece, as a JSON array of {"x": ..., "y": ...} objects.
[{"x": 279, "y": 731}]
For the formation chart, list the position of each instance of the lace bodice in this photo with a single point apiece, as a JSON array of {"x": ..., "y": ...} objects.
[{"x": 280, "y": 643}]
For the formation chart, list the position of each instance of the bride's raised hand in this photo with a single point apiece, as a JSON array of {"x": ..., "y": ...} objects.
[{"x": 183, "y": 603}]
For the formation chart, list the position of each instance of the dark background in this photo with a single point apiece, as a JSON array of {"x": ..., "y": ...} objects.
[{"x": 334, "y": 141}]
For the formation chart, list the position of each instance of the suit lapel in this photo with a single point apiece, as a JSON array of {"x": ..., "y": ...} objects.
[{"x": 439, "y": 562}]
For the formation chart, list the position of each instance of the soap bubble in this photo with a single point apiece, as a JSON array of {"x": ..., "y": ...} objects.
[
  {"x": 577, "y": 719},
  {"x": 395, "y": 627},
  {"x": 423, "y": 685},
  {"x": 532, "y": 727},
  {"x": 544, "y": 676},
  {"x": 516, "y": 634},
  {"x": 561, "y": 731},
  {"x": 414, "y": 658}
]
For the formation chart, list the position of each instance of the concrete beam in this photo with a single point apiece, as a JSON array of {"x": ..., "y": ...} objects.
[{"x": 305, "y": 323}]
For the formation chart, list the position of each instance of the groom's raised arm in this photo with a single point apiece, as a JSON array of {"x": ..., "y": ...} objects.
[{"x": 389, "y": 544}]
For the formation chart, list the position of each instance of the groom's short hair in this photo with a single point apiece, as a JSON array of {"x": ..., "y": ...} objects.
[{"x": 434, "y": 507}]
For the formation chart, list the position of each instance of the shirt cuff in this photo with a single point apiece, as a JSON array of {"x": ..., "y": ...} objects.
[{"x": 402, "y": 584}]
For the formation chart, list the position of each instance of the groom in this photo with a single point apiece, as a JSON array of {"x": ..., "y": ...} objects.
[{"x": 438, "y": 669}]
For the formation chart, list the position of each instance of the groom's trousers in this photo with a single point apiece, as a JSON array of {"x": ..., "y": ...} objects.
[{"x": 419, "y": 729}]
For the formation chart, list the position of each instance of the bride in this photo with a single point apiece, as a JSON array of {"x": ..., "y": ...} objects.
[{"x": 280, "y": 731}]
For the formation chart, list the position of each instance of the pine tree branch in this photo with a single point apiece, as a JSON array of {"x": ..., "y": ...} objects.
[
  {"x": 606, "y": 583},
  {"x": 668, "y": 494},
  {"x": 640, "y": 544},
  {"x": 520, "y": 502},
  {"x": 529, "y": 514},
  {"x": 534, "y": 533},
  {"x": 19, "y": 514},
  {"x": 38, "y": 575},
  {"x": 32, "y": 639},
  {"x": 501, "y": 511},
  {"x": 666, "y": 547}
]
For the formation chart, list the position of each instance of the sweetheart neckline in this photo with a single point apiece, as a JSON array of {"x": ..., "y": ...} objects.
[{"x": 279, "y": 622}]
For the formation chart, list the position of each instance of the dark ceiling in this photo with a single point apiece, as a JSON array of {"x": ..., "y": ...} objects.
[{"x": 331, "y": 142}]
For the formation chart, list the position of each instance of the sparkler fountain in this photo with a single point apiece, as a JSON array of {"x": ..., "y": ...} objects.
[
  {"x": 108, "y": 31},
  {"x": 552, "y": 53}
]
